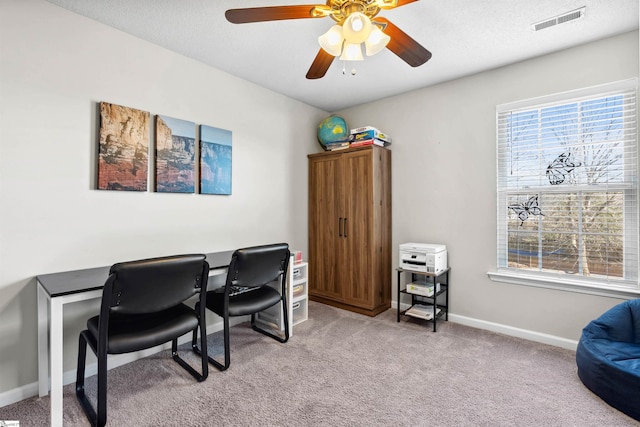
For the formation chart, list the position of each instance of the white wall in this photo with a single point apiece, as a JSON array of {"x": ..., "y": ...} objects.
[
  {"x": 55, "y": 66},
  {"x": 444, "y": 178}
]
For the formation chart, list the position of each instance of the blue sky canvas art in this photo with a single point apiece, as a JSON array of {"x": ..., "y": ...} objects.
[{"x": 215, "y": 160}]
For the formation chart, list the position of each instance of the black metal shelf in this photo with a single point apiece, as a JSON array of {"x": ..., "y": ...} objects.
[{"x": 441, "y": 278}]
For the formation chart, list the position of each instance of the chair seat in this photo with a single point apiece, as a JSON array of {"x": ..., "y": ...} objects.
[
  {"x": 246, "y": 303},
  {"x": 138, "y": 332}
]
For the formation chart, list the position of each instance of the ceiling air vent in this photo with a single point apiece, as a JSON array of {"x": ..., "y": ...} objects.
[{"x": 560, "y": 19}]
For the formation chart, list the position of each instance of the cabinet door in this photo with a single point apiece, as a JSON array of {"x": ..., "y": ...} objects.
[
  {"x": 356, "y": 258},
  {"x": 325, "y": 220}
]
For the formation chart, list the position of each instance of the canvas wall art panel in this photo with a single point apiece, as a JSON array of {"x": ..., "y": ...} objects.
[
  {"x": 123, "y": 152},
  {"x": 175, "y": 155},
  {"x": 215, "y": 160}
]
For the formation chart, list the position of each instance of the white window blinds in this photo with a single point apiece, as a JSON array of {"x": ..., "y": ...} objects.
[{"x": 568, "y": 186}]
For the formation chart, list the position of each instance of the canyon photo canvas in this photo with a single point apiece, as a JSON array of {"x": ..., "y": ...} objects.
[
  {"x": 175, "y": 155},
  {"x": 123, "y": 153},
  {"x": 215, "y": 160}
]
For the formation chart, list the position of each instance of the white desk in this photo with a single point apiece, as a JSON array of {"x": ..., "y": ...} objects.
[{"x": 56, "y": 290}]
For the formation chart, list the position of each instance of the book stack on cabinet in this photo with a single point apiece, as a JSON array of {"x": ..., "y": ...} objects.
[{"x": 368, "y": 135}]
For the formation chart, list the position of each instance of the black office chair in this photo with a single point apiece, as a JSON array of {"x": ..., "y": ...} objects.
[
  {"x": 142, "y": 307},
  {"x": 247, "y": 291}
]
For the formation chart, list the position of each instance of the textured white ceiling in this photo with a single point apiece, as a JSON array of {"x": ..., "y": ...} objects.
[{"x": 465, "y": 37}]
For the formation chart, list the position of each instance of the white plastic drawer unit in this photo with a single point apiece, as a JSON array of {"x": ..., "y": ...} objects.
[
  {"x": 299, "y": 290},
  {"x": 299, "y": 312}
]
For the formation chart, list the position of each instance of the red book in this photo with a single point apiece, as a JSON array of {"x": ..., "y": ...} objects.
[{"x": 363, "y": 142}]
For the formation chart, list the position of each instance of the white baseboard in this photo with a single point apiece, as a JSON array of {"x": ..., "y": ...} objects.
[
  {"x": 30, "y": 390},
  {"x": 515, "y": 332},
  {"x": 509, "y": 330},
  {"x": 18, "y": 394}
]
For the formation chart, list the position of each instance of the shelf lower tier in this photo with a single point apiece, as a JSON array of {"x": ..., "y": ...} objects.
[{"x": 440, "y": 312}]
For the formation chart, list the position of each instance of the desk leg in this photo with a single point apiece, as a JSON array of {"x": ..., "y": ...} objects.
[
  {"x": 43, "y": 342},
  {"x": 56, "y": 366}
]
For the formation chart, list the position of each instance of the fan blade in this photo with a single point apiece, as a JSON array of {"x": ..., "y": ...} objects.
[
  {"x": 320, "y": 65},
  {"x": 403, "y": 2},
  {"x": 409, "y": 50},
  {"x": 274, "y": 13},
  {"x": 387, "y": 4}
]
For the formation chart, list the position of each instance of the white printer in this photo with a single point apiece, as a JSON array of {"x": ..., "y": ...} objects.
[{"x": 423, "y": 257}]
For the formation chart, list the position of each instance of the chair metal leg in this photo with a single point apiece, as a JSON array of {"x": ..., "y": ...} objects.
[
  {"x": 202, "y": 353},
  {"x": 194, "y": 340},
  {"x": 80, "y": 393},
  {"x": 285, "y": 318},
  {"x": 227, "y": 345},
  {"x": 285, "y": 311},
  {"x": 98, "y": 419},
  {"x": 227, "y": 350},
  {"x": 219, "y": 366},
  {"x": 102, "y": 388},
  {"x": 82, "y": 359}
]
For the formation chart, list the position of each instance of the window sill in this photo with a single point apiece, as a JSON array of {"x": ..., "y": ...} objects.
[{"x": 569, "y": 285}]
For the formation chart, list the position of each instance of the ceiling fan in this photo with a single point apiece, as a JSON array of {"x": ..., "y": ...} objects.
[{"x": 356, "y": 22}]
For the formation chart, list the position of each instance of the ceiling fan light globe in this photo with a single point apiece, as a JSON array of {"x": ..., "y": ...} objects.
[
  {"x": 352, "y": 52},
  {"x": 357, "y": 24},
  {"x": 332, "y": 40},
  {"x": 376, "y": 41},
  {"x": 356, "y": 27}
]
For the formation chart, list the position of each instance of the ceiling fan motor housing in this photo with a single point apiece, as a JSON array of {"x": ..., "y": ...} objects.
[{"x": 341, "y": 9}]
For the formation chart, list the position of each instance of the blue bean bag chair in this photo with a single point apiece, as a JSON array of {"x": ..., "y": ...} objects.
[{"x": 608, "y": 357}]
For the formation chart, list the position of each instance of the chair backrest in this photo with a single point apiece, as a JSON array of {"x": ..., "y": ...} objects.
[
  {"x": 155, "y": 284},
  {"x": 258, "y": 265}
]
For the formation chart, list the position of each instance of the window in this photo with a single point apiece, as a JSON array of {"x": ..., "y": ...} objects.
[{"x": 567, "y": 188}]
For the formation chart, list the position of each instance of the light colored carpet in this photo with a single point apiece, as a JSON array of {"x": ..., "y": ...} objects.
[{"x": 345, "y": 369}]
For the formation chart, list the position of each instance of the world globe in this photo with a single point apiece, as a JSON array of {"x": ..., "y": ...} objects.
[{"x": 333, "y": 128}]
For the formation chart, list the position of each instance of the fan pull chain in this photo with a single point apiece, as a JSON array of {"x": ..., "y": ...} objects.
[{"x": 344, "y": 71}]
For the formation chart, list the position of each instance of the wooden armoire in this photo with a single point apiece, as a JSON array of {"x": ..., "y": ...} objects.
[{"x": 350, "y": 229}]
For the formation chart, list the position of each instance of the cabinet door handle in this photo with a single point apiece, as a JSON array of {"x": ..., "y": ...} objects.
[
  {"x": 340, "y": 227},
  {"x": 345, "y": 227}
]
